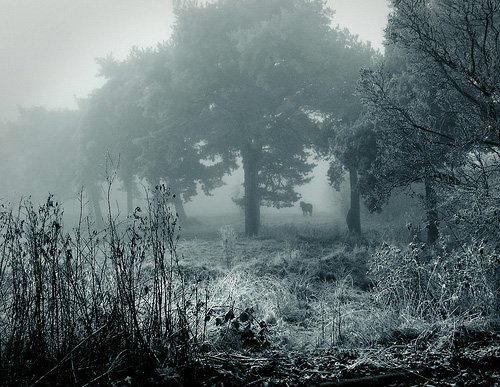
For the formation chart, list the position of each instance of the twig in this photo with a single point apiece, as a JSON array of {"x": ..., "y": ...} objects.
[
  {"x": 66, "y": 357},
  {"x": 110, "y": 368}
]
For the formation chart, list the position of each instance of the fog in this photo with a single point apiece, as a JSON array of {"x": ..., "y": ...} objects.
[
  {"x": 318, "y": 192},
  {"x": 47, "y": 58},
  {"x": 48, "y": 49}
]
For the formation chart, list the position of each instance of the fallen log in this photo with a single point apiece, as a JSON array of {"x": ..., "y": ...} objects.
[{"x": 376, "y": 380}]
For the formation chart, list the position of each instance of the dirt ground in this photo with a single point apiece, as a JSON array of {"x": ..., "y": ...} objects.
[{"x": 472, "y": 364}]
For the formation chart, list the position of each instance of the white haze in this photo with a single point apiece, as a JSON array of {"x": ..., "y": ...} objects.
[{"x": 48, "y": 48}]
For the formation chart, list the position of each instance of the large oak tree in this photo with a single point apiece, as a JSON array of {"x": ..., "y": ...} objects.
[
  {"x": 245, "y": 71},
  {"x": 347, "y": 139},
  {"x": 118, "y": 123}
]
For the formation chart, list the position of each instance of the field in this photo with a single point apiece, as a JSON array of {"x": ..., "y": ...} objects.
[
  {"x": 144, "y": 303},
  {"x": 325, "y": 321}
]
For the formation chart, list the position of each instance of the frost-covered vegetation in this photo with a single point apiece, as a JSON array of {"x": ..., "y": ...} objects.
[{"x": 135, "y": 301}]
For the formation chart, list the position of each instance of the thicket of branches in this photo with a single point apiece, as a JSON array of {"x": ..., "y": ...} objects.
[{"x": 85, "y": 305}]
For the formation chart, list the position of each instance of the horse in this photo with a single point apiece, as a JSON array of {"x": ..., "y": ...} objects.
[{"x": 307, "y": 208}]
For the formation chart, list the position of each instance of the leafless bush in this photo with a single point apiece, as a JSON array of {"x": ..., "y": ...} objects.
[
  {"x": 437, "y": 283},
  {"x": 81, "y": 305}
]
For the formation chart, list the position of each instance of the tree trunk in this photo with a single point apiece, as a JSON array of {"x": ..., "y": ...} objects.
[
  {"x": 130, "y": 201},
  {"x": 353, "y": 218},
  {"x": 252, "y": 197},
  {"x": 497, "y": 287},
  {"x": 93, "y": 192},
  {"x": 432, "y": 214},
  {"x": 179, "y": 207},
  {"x": 129, "y": 189}
]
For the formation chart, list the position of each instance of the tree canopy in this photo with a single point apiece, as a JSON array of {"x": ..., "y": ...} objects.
[
  {"x": 248, "y": 74},
  {"x": 434, "y": 102},
  {"x": 346, "y": 138}
]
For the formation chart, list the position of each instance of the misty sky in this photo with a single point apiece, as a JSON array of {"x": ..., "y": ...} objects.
[{"x": 48, "y": 47}]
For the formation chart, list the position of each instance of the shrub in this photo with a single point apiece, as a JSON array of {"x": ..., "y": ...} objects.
[
  {"x": 86, "y": 305},
  {"x": 434, "y": 283}
]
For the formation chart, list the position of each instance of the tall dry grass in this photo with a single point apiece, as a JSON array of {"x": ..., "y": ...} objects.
[{"x": 86, "y": 304}]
